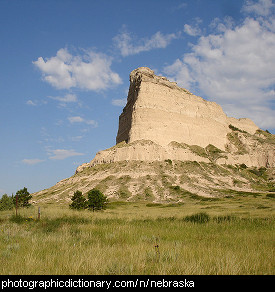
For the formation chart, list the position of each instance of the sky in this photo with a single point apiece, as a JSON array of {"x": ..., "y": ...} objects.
[{"x": 65, "y": 65}]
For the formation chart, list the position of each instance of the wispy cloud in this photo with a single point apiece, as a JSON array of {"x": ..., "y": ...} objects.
[
  {"x": 76, "y": 138},
  {"x": 263, "y": 7},
  {"x": 32, "y": 161},
  {"x": 234, "y": 66},
  {"x": 31, "y": 102},
  {"x": 179, "y": 6},
  {"x": 78, "y": 119},
  {"x": 89, "y": 70},
  {"x": 60, "y": 154},
  {"x": 36, "y": 102},
  {"x": 192, "y": 30},
  {"x": 128, "y": 44},
  {"x": 68, "y": 98}
]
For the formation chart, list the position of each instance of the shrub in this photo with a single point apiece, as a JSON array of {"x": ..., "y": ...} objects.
[
  {"x": 261, "y": 172},
  {"x": 243, "y": 166},
  {"x": 78, "y": 201},
  {"x": 96, "y": 200},
  {"x": 198, "y": 218},
  {"x": 6, "y": 203},
  {"x": 233, "y": 128}
]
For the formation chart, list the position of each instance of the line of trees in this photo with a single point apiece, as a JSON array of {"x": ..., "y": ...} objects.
[
  {"x": 96, "y": 200},
  {"x": 21, "y": 199}
]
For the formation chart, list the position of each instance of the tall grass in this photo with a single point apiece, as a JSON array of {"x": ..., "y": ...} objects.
[{"x": 121, "y": 240}]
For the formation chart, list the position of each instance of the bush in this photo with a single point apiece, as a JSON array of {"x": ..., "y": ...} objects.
[
  {"x": 96, "y": 200},
  {"x": 198, "y": 218},
  {"x": 233, "y": 128},
  {"x": 6, "y": 203},
  {"x": 78, "y": 201},
  {"x": 243, "y": 166}
]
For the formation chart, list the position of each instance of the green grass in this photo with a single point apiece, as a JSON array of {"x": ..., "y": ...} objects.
[{"x": 233, "y": 235}]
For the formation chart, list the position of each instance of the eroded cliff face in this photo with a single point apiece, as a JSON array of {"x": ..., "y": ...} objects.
[
  {"x": 163, "y": 121},
  {"x": 160, "y": 111}
]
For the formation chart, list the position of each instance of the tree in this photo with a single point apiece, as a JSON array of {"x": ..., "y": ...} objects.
[
  {"x": 96, "y": 200},
  {"x": 6, "y": 203},
  {"x": 23, "y": 197},
  {"x": 78, "y": 201}
]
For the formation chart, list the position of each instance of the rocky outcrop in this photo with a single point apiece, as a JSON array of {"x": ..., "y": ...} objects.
[
  {"x": 160, "y": 111},
  {"x": 172, "y": 145},
  {"x": 241, "y": 148},
  {"x": 163, "y": 121}
]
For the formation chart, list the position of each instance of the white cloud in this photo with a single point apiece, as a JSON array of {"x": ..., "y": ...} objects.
[
  {"x": 65, "y": 99},
  {"x": 119, "y": 102},
  {"x": 31, "y": 102},
  {"x": 194, "y": 29},
  {"x": 180, "y": 73},
  {"x": 191, "y": 30},
  {"x": 32, "y": 161},
  {"x": 78, "y": 119},
  {"x": 90, "y": 71},
  {"x": 129, "y": 45},
  {"x": 60, "y": 154},
  {"x": 263, "y": 7},
  {"x": 235, "y": 67},
  {"x": 76, "y": 138}
]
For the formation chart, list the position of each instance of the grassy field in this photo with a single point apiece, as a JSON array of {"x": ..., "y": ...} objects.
[{"x": 233, "y": 235}]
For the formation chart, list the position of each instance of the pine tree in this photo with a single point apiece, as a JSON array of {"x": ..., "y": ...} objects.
[
  {"x": 78, "y": 201},
  {"x": 6, "y": 203},
  {"x": 22, "y": 196},
  {"x": 96, "y": 200}
]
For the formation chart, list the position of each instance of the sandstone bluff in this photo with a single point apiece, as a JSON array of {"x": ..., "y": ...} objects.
[
  {"x": 161, "y": 121},
  {"x": 164, "y": 123}
]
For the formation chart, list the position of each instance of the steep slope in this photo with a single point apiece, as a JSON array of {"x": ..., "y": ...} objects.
[{"x": 160, "y": 111}]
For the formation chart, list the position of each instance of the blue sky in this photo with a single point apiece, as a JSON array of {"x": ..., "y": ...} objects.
[{"x": 65, "y": 64}]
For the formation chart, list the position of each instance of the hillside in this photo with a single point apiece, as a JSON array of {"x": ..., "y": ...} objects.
[{"x": 166, "y": 180}]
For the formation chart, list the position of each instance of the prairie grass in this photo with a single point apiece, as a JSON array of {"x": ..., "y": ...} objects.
[{"x": 205, "y": 237}]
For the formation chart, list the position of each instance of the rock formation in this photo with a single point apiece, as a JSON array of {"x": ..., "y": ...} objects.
[
  {"x": 163, "y": 121},
  {"x": 172, "y": 145},
  {"x": 160, "y": 111}
]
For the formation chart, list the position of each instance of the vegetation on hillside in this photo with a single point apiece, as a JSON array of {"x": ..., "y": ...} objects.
[{"x": 96, "y": 200}]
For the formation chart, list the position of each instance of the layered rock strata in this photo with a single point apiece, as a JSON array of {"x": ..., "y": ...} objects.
[
  {"x": 160, "y": 111},
  {"x": 163, "y": 121}
]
